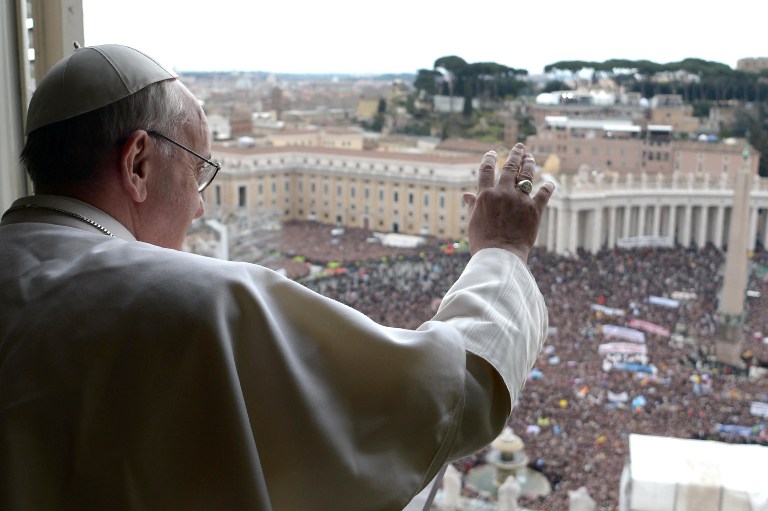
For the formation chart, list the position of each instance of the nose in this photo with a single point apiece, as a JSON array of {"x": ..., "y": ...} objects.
[{"x": 201, "y": 208}]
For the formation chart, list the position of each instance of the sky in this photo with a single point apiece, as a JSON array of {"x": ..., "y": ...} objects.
[{"x": 403, "y": 36}]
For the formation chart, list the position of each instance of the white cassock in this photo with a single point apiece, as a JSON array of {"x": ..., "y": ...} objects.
[{"x": 142, "y": 378}]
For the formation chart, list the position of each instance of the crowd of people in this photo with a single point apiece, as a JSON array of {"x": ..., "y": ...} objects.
[{"x": 576, "y": 413}]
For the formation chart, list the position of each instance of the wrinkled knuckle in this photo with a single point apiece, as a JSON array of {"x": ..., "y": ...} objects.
[
  {"x": 512, "y": 165},
  {"x": 487, "y": 166}
]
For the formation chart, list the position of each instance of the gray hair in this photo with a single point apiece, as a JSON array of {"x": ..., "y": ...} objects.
[{"x": 71, "y": 152}]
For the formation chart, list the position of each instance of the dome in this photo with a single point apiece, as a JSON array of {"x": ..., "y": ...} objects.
[{"x": 552, "y": 164}]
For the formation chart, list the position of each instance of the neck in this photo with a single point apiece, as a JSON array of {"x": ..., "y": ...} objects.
[
  {"x": 100, "y": 195},
  {"x": 60, "y": 206}
]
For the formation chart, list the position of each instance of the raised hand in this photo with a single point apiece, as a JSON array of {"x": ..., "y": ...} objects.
[{"x": 504, "y": 214}]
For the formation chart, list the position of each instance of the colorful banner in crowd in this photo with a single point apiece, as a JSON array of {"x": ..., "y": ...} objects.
[
  {"x": 664, "y": 302},
  {"x": 618, "y": 397},
  {"x": 620, "y": 332},
  {"x": 683, "y": 296},
  {"x": 759, "y": 409},
  {"x": 635, "y": 367},
  {"x": 648, "y": 327},
  {"x": 645, "y": 241},
  {"x": 608, "y": 311},
  {"x": 622, "y": 348},
  {"x": 734, "y": 429}
]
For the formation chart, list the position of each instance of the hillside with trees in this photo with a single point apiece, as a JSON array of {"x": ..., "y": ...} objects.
[{"x": 700, "y": 83}]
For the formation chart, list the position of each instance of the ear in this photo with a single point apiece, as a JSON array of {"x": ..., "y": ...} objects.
[{"x": 136, "y": 163}]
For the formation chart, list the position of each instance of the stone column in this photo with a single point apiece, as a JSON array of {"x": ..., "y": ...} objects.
[
  {"x": 752, "y": 229},
  {"x": 562, "y": 229},
  {"x": 720, "y": 221},
  {"x": 728, "y": 335},
  {"x": 627, "y": 220},
  {"x": 612, "y": 227},
  {"x": 687, "y": 219},
  {"x": 574, "y": 240},
  {"x": 641, "y": 212},
  {"x": 597, "y": 238},
  {"x": 765, "y": 228},
  {"x": 552, "y": 216},
  {"x": 541, "y": 237},
  {"x": 656, "y": 220},
  {"x": 672, "y": 222},
  {"x": 701, "y": 232}
]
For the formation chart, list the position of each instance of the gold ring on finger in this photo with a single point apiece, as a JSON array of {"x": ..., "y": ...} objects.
[{"x": 525, "y": 185}]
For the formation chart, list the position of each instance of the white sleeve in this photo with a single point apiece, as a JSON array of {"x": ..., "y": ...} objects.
[{"x": 500, "y": 313}]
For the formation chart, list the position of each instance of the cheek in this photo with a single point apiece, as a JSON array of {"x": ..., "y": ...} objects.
[{"x": 188, "y": 195}]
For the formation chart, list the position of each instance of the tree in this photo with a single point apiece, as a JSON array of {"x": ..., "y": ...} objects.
[
  {"x": 427, "y": 80},
  {"x": 556, "y": 85},
  {"x": 453, "y": 73},
  {"x": 701, "y": 108},
  {"x": 751, "y": 124}
]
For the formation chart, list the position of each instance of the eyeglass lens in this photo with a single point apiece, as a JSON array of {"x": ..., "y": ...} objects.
[{"x": 207, "y": 173}]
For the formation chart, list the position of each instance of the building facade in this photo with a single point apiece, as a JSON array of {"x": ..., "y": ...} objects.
[
  {"x": 620, "y": 146},
  {"x": 591, "y": 212},
  {"x": 752, "y": 64},
  {"x": 337, "y": 138},
  {"x": 422, "y": 195},
  {"x": 389, "y": 192}
]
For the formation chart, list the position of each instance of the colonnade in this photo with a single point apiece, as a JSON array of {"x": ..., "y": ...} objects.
[{"x": 588, "y": 214}]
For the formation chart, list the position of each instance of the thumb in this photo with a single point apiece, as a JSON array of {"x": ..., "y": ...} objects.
[{"x": 469, "y": 200}]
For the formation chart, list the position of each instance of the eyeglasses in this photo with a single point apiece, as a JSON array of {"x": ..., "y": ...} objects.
[{"x": 206, "y": 173}]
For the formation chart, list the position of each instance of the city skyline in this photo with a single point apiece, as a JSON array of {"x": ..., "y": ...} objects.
[{"x": 340, "y": 37}]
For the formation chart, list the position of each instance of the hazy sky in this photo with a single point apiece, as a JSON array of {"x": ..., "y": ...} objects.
[{"x": 356, "y": 36}]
